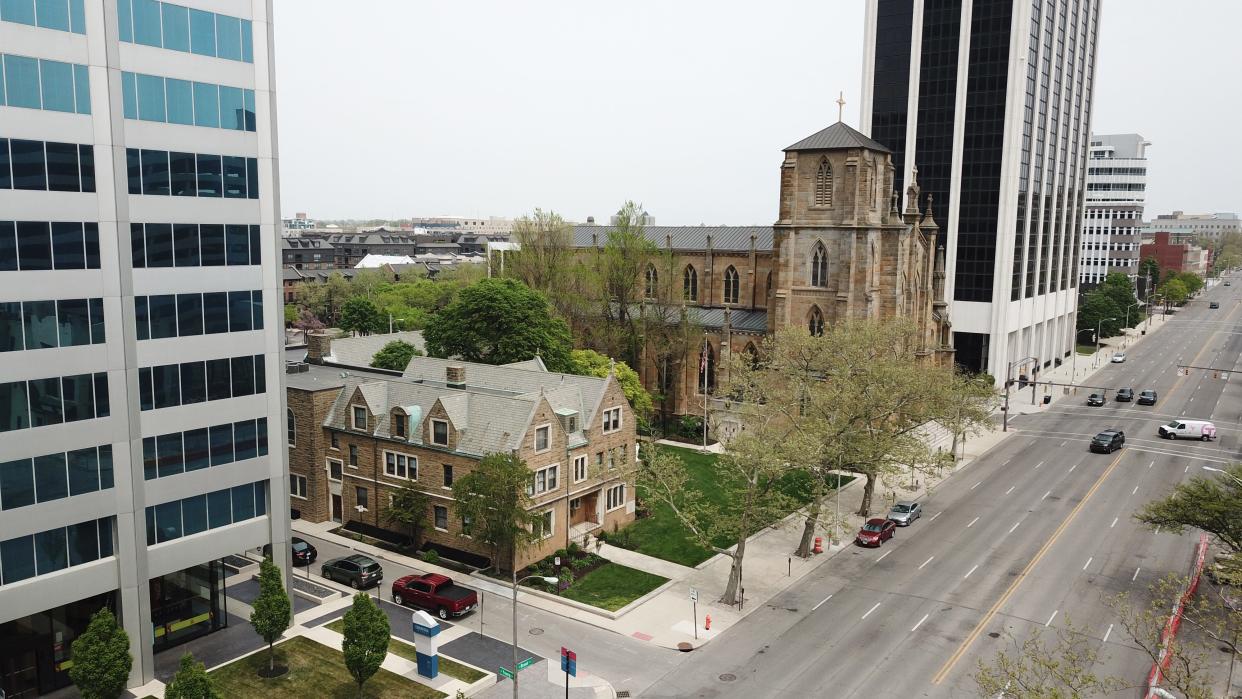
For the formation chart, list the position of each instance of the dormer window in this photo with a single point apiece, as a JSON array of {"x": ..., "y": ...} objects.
[
  {"x": 399, "y": 424},
  {"x": 440, "y": 432},
  {"x": 359, "y": 418}
]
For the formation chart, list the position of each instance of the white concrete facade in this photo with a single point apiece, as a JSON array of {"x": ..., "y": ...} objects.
[
  {"x": 1116, "y": 193},
  {"x": 133, "y": 562}
]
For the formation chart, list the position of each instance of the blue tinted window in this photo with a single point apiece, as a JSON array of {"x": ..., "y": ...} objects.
[
  {"x": 189, "y": 316},
  {"x": 180, "y": 101},
  {"x": 17, "y": 559},
  {"x": 53, "y": 14},
  {"x": 193, "y": 383},
  {"x": 105, "y": 468},
  {"x": 21, "y": 82},
  {"x": 197, "y": 450},
  {"x": 231, "y": 108},
  {"x": 244, "y": 439},
  {"x": 228, "y": 37},
  {"x": 83, "y": 542},
  {"x": 81, "y": 89},
  {"x": 206, "y": 104},
  {"x": 159, "y": 250},
  {"x": 34, "y": 245},
  {"x": 254, "y": 246},
  {"x": 45, "y": 406},
  {"x": 133, "y": 164},
  {"x": 194, "y": 512},
  {"x": 147, "y": 22},
  {"x": 216, "y": 312},
  {"x": 243, "y": 502},
  {"x": 57, "y": 80},
  {"x": 105, "y": 536},
  {"x": 149, "y": 461},
  {"x": 247, "y": 39},
  {"x": 102, "y": 407},
  {"x": 6, "y": 182},
  {"x": 125, "y": 20},
  {"x": 219, "y": 509},
  {"x": 79, "y": 398},
  {"x": 22, "y": 11},
  {"x": 212, "y": 241},
  {"x": 238, "y": 241},
  {"x": 163, "y": 313},
  {"x": 29, "y": 170},
  {"x": 168, "y": 450},
  {"x": 234, "y": 178},
  {"x": 2, "y": 84},
  {"x": 83, "y": 471},
  {"x": 155, "y": 172},
  {"x": 50, "y": 552},
  {"x": 168, "y": 521},
  {"x": 166, "y": 385},
  {"x": 11, "y": 327},
  {"x": 74, "y": 322},
  {"x": 252, "y": 178},
  {"x": 62, "y": 169},
  {"x": 39, "y": 324},
  {"x": 129, "y": 94},
  {"x": 151, "y": 98},
  {"x": 142, "y": 318},
  {"x": 16, "y": 484},
  {"x": 77, "y": 16},
  {"x": 184, "y": 180},
  {"x": 176, "y": 28},
  {"x": 86, "y": 159},
  {"x": 67, "y": 249},
  {"x": 202, "y": 33},
  {"x": 221, "y": 443},
  {"x": 262, "y": 436},
  {"x": 248, "y": 105},
  {"x": 51, "y": 477},
  {"x": 14, "y": 406},
  {"x": 239, "y": 311},
  {"x": 256, "y": 308},
  {"x": 210, "y": 178}
]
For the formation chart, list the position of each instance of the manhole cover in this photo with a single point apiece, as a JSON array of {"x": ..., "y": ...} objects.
[
  {"x": 536, "y": 631},
  {"x": 994, "y": 635},
  {"x": 686, "y": 647},
  {"x": 728, "y": 677}
]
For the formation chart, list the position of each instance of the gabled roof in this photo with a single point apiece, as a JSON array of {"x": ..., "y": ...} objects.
[
  {"x": 360, "y": 351},
  {"x": 839, "y": 135},
  {"x": 724, "y": 238}
]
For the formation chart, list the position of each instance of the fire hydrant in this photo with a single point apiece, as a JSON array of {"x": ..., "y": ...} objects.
[
  {"x": 819, "y": 545},
  {"x": 707, "y": 623}
]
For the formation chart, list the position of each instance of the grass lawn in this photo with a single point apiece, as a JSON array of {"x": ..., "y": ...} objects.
[
  {"x": 402, "y": 648},
  {"x": 315, "y": 670},
  {"x": 1086, "y": 349},
  {"x": 663, "y": 536},
  {"x": 612, "y": 586}
]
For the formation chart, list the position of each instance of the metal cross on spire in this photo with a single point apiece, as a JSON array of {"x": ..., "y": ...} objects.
[{"x": 841, "y": 107}]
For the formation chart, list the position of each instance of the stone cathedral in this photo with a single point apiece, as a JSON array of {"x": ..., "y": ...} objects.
[{"x": 842, "y": 247}]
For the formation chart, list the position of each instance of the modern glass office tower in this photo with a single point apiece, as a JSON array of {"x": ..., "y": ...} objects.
[
  {"x": 991, "y": 100},
  {"x": 140, "y": 321},
  {"x": 1116, "y": 192}
]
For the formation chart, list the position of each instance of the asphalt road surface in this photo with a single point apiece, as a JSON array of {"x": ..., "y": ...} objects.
[{"x": 1035, "y": 532}]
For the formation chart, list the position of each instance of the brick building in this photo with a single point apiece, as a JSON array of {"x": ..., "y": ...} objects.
[
  {"x": 355, "y": 437},
  {"x": 1179, "y": 257}
]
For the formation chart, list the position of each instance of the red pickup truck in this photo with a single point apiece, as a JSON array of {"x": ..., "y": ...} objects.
[{"x": 436, "y": 593}]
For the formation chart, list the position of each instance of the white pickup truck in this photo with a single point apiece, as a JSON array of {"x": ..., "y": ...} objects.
[{"x": 1188, "y": 429}]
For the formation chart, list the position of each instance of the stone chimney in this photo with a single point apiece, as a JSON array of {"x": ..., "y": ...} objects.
[
  {"x": 318, "y": 346},
  {"x": 455, "y": 376}
]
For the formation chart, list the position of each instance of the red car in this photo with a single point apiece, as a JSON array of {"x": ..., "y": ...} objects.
[
  {"x": 436, "y": 593},
  {"x": 876, "y": 532}
]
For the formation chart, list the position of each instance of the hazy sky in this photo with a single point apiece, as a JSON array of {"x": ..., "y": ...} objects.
[{"x": 391, "y": 109}]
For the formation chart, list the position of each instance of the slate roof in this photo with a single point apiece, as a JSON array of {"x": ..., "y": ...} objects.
[
  {"x": 839, "y": 135},
  {"x": 739, "y": 318},
  {"x": 298, "y": 243},
  {"x": 359, "y": 351},
  {"x": 724, "y": 238}
]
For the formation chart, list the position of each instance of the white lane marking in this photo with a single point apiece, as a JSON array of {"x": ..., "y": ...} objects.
[
  {"x": 1135, "y": 576},
  {"x": 1015, "y": 526},
  {"x": 933, "y": 519},
  {"x": 877, "y": 606},
  {"x": 1073, "y": 467},
  {"x": 1046, "y": 494},
  {"x": 929, "y": 560},
  {"x": 1039, "y": 464},
  {"x": 1084, "y": 565},
  {"x": 916, "y": 626},
  {"x": 1114, "y": 522},
  {"x": 972, "y": 522},
  {"x": 1157, "y": 531},
  {"x": 882, "y": 557},
  {"x": 1010, "y": 489},
  {"x": 1132, "y": 492},
  {"x": 1006, "y": 462},
  {"x": 821, "y": 603},
  {"x": 1187, "y": 469},
  {"x": 1108, "y": 633},
  {"x": 976, "y": 485},
  {"x": 1054, "y": 615},
  {"x": 1153, "y": 463},
  {"x": 1063, "y": 443},
  {"x": 967, "y": 575}
]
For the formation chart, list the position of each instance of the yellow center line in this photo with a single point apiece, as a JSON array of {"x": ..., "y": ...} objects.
[
  {"x": 1180, "y": 379},
  {"x": 987, "y": 618}
]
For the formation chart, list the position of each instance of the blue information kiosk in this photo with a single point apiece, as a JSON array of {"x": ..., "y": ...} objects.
[{"x": 426, "y": 643}]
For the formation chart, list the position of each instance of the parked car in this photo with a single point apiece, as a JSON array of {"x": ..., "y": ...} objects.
[
  {"x": 1108, "y": 441},
  {"x": 1095, "y": 400},
  {"x": 1214, "y": 304},
  {"x": 1228, "y": 284},
  {"x": 1124, "y": 395},
  {"x": 876, "y": 532},
  {"x": 1147, "y": 397},
  {"x": 905, "y": 512},
  {"x": 1188, "y": 429},
  {"x": 436, "y": 593},
  {"x": 303, "y": 553},
  {"x": 1119, "y": 358},
  {"x": 357, "y": 571}
]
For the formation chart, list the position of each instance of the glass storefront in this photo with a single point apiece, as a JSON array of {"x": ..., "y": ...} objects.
[
  {"x": 188, "y": 604},
  {"x": 35, "y": 650}
]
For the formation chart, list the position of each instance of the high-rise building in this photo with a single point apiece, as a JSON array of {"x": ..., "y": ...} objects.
[
  {"x": 140, "y": 317},
  {"x": 1116, "y": 191},
  {"x": 991, "y": 101}
]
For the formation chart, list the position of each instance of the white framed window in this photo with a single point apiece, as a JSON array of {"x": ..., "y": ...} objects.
[
  {"x": 359, "y": 417},
  {"x": 543, "y": 440},
  {"x": 440, "y": 432},
  {"x": 547, "y": 525},
  {"x": 297, "y": 486},
  {"x": 543, "y": 480},
  {"x": 441, "y": 515},
  {"x": 616, "y": 497},
  {"x": 612, "y": 420},
  {"x": 580, "y": 468},
  {"x": 400, "y": 465},
  {"x": 334, "y": 470}
]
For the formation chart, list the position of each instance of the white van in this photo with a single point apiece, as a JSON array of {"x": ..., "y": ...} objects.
[{"x": 1188, "y": 429}]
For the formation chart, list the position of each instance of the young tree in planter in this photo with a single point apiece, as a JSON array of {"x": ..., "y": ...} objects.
[
  {"x": 272, "y": 610},
  {"x": 366, "y": 639},
  {"x": 409, "y": 509},
  {"x": 190, "y": 682},
  {"x": 101, "y": 659},
  {"x": 493, "y": 499}
]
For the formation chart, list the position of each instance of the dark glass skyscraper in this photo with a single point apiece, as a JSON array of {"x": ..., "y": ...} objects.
[{"x": 990, "y": 100}]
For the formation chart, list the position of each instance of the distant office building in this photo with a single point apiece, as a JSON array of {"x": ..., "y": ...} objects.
[
  {"x": 1186, "y": 226},
  {"x": 492, "y": 225},
  {"x": 1175, "y": 256},
  {"x": 991, "y": 101},
  {"x": 308, "y": 253},
  {"x": 1116, "y": 191},
  {"x": 299, "y": 222},
  {"x": 140, "y": 323}
]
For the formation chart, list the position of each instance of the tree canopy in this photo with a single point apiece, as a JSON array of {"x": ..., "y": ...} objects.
[
  {"x": 361, "y": 316},
  {"x": 190, "y": 682},
  {"x": 395, "y": 356},
  {"x": 366, "y": 639},
  {"x": 272, "y": 610},
  {"x": 499, "y": 321},
  {"x": 587, "y": 362},
  {"x": 101, "y": 659},
  {"x": 493, "y": 505},
  {"x": 1211, "y": 503}
]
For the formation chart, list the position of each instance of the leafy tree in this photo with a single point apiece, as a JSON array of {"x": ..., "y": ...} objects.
[
  {"x": 492, "y": 499},
  {"x": 587, "y": 362},
  {"x": 366, "y": 639},
  {"x": 291, "y": 314},
  {"x": 546, "y": 252},
  {"x": 101, "y": 659},
  {"x": 359, "y": 315},
  {"x": 409, "y": 509},
  {"x": 1098, "y": 311},
  {"x": 1056, "y": 664},
  {"x": 190, "y": 682},
  {"x": 307, "y": 321},
  {"x": 1118, "y": 288},
  {"x": 1211, "y": 504},
  {"x": 668, "y": 330},
  {"x": 499, "y": 321},
  {"x": 1174, "y": 290},
  {"x": 395, "y": 356},
  {"x": 1192, "y": 282},
  {"x": 272, "y": 610},
  {"x": 324, "y": 300},
  {"x": 620, "y": 271}
]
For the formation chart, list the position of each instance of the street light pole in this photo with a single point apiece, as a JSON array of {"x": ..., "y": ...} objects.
[
  {"x": 1136, "y": 303},
  {"x": 1098, "y": 327},
  {"x": 1218, "y": 470},
  {"x": 550, "y": 581}
]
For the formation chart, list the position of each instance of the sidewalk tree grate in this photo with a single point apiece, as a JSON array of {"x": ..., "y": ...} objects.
[
  {"x": 728, "y": 677},
  {"x": 536, "y": 631}
]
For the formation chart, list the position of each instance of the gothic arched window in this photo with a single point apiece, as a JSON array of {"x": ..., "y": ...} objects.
[
  {"x": 690, "y": 284},
  {"x": 653, "y": 281},
  {"x": 732, "y": 285},
  {"x": 707, "y": 369},
  {"x": 769, "y": 286},
  {"x": 823, "y": 184},
  {"x": 815, "y": 324},
  {"x": 819, "y": 266}
]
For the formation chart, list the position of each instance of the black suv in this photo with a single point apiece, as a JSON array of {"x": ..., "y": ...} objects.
[
  {"x": 1124, "y": 395},
  {"x": 1108, "y": 441},
  {"x": 357, "y": 571},
  {"x": 303, "y": 553},
  {"x": 1214, "y": 304},
  {"x": 1095, "y": 400},
  {"x": 1147, "y": 397}
]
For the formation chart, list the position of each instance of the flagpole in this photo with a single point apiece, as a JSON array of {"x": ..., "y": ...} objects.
[{"x": 706, "y": 348}]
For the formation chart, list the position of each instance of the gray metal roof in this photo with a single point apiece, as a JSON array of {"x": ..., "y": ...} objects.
[
  {"x": 839, "y": 135},
  {"x": 726, "y": 238},
  {"x": 739, "y": 318}
]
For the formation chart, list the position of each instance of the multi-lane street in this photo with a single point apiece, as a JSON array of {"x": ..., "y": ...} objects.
[{"x": 1036, "y": 532}]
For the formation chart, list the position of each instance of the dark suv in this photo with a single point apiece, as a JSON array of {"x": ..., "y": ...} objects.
[
  {"x": 1147, "y": 397},
  {"x": 1124, "y": 395},
  {"x": 1108, "y": 441},
  {"x": 1214, "y": 304},
  {"x": 357, "y": 571},
  {"x": 1095, "y": 400}
]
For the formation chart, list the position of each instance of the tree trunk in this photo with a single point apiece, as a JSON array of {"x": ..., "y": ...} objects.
[
  {"x": 271, "y": 658},
  {"x": 868, "y": 490},
  {"x": 732, "y": 593},
  {"x": 808, "y": 526}
]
